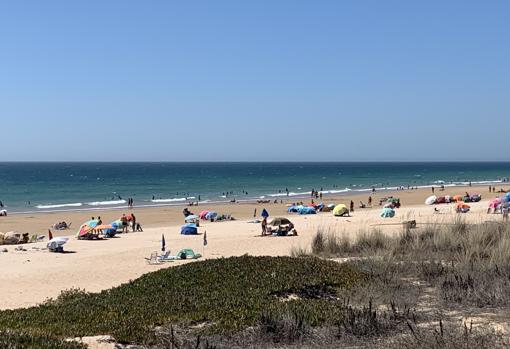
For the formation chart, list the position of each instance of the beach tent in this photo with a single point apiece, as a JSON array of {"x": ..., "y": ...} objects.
[
  {"x": 203, "y": 214},
  {"x": 264, "y": 213},
  {"x": 431, "y": 200},
  {"x": 189, "y": 229},
  {"x": 340, "y": 210},
  {"x": 462, "y": 207},
  {"x": 279, "y": 221},
  {"x": 387, "y": 212},
  {"x": 211, "y": 215},
  {"x": 307, "y": 210}
]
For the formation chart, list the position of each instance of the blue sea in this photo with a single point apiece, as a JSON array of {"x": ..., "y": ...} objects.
[{"x": 41, "y": 187}]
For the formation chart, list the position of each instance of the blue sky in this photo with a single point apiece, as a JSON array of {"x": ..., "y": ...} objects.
[{"x": 260, "y": 80}]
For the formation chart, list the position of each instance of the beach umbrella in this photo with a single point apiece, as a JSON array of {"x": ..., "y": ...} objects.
[
  {"x": 191, "y": 218},
  {"x": 279, "y": 221},
  {"x": 307, "y": 210},
  {"x": 293, "y": 209},
  {"x": 103, "y": 227},
  {"x": 462, "y": 207},
  {"x": 84, "y": 230},
  {"x": 387, "y": 212},
  {"x": 189, "y": 229},
  {"x": 211, "y": 215},
  {"x": 116, "y": 224},
  {"x": 264, "y": 213},
  {"x": 203, "y": 214},
  {"x": 92, "y": 223},
  {"x": 340, "y": 210},
  {"x": 56, "y": 244},
  {"x": 458, "y": 198},
  {"x": 475, "y": 197},
  {"x": 431, "y": 200},
  {"x": 495, "y": 203}
]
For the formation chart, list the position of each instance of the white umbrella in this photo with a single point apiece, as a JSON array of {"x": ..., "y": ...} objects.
[{"x": 57, "y": 243}]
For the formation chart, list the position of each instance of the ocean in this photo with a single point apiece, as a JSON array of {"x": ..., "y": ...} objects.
[{"x": 41, "y": 187}]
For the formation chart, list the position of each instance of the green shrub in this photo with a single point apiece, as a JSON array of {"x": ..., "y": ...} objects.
[{"x": 229, "y": 294}]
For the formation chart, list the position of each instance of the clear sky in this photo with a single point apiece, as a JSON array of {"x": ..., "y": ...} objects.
[{"x": 254, "y": 80}]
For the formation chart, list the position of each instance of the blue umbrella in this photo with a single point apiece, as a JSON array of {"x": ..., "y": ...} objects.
[
  {"x": 211, "y": 215},
  {"x": 264, "y": 213}
]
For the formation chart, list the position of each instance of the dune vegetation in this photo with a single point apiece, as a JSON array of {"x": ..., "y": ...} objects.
[{"x": 221, "y": 296}]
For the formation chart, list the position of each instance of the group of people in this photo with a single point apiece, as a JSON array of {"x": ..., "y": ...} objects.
[
  {"x": 281, "y": 230},
  {"x": 61, "y": 225}
]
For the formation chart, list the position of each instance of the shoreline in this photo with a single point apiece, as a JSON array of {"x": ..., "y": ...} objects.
[
  {"x": 171, "y": 215},
  {"x": 327, "y": 194}
]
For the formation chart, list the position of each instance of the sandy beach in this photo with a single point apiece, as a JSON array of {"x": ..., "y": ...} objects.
[{"x": 30, "y": 277}]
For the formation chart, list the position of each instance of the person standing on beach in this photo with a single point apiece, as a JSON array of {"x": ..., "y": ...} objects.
[
  {"x": 255, "y": 213},
  {"x": 133, "y": 222},
  {"x": 432, "y": 190},
  {"x": 369, "y": 201},
  {"x": 264, "y": 226},
  {"x": 352, "y": 206}
]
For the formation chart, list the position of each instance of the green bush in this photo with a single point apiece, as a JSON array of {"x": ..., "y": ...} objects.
[{"x": 18, "y": 340}]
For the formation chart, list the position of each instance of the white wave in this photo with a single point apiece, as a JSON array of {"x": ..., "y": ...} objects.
[
  {"x": 339, "y": 191},
  {"x": 277, "y": 195},
  {"x": 106, "y": 203},
  {"x": 168, "y": 200},
  {"x": 77, "y": 204}
]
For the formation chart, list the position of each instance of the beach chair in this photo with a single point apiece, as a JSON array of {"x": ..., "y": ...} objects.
[
  {"x": 166, "y": 257},
  {"x": 153, "y": 259}
]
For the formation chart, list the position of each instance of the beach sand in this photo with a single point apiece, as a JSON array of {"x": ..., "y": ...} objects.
[{"x": 30, "y": 277}]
